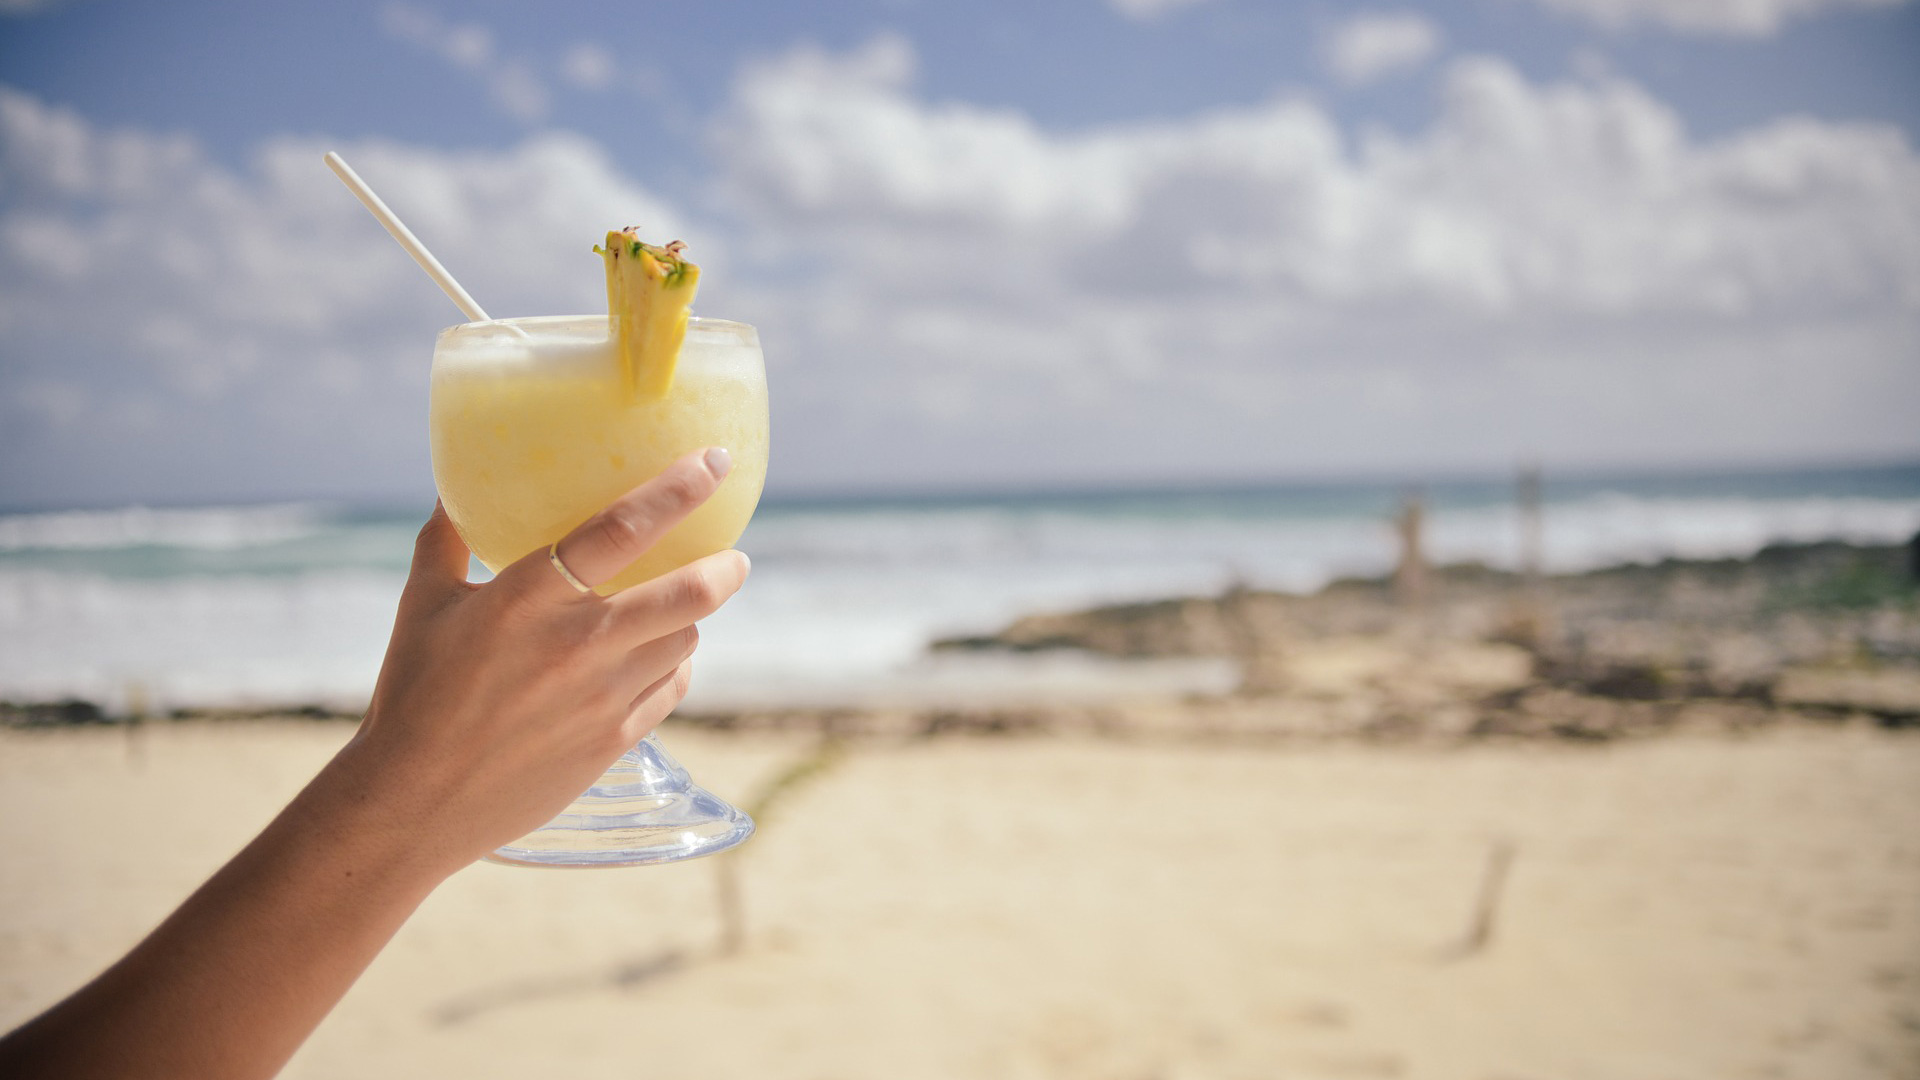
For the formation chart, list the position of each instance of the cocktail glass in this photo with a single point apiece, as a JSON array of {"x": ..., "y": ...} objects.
[{"x": 533, "y": 431}]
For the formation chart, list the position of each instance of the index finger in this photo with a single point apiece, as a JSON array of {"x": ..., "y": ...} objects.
[{"x": 609, "y": 541}]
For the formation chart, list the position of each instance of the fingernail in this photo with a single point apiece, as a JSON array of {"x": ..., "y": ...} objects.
[{"x": 719, "y": 462}]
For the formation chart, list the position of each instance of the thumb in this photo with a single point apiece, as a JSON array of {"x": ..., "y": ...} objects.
[{"x": 439, "y": 560}]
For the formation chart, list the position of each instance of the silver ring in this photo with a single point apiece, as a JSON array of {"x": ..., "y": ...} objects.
[{"x": 553, "y": 556}]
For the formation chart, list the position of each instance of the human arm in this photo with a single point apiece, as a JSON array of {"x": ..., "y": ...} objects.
[{"x": 497, "y": 705}]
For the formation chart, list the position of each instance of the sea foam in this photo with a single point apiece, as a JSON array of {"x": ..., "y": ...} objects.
[{"x": 292, "y": 604}]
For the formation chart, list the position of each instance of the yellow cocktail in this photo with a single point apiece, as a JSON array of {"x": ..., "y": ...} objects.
[
  {"x": 536, "y": 426},
  {"x": 534, "y": 431}
]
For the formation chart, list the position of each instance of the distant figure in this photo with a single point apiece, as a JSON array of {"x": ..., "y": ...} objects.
[
  {"x": 1913, "y": 557},
  {"x": 1254, "y": 640},
  {"x": 1532, "y": 525},
  {"x": 1410, "y": 575}
]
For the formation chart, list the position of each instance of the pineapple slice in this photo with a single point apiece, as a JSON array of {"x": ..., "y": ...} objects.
[{"x": 649, "y": 292}]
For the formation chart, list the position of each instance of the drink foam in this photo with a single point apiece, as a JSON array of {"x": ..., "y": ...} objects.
[{"x": 580, "y": 345}]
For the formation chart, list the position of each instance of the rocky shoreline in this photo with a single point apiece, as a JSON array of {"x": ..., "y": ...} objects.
[{"x": 1810, "y": 631}]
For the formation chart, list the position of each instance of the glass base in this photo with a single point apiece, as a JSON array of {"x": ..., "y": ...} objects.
[{"x": 645, "y": 809}]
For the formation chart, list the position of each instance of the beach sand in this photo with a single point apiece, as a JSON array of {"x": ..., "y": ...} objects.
[{"x": 1690, "y": 905}]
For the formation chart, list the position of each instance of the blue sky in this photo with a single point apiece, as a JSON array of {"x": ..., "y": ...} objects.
[
  {"x": 988, "y": 244},
  {"x": 235, "y": 73}
]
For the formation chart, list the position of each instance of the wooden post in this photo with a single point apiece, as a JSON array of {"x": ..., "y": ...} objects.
[
  {"x": 733, "y": 917},
  {"x": 1486, "y": 905},
  {"x": 729, "y": 901},
  {"x": 1529, "y": 616}
]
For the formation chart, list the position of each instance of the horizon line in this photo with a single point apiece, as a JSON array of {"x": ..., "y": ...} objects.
[{"x": 962, "y": 492}]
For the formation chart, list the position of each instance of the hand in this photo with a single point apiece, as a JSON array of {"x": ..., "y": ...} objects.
[{"x": 498, "y": 704}]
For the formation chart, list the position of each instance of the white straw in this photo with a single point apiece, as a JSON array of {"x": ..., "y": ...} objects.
[{"x": 406, "y": 238}]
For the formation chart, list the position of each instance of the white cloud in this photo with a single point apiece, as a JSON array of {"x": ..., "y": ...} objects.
[
  {"x": 1578, "y": 198},
  {"x": 1254, "y": 280},
  {"x": 1146, "y": 10},
  {"x": 588, "y": 66},
  {"x": 260, "y": 312},
  {"x": 955, "y": 293},
  {"x": 830, "y": 135},
  {"x": 1366, "y": 47},
  {"x": 1741, "y": 18},
  {"x": 510, "y": 81}
]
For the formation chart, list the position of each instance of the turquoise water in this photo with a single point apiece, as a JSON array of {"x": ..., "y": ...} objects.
[{"x": 292, "y": 602}]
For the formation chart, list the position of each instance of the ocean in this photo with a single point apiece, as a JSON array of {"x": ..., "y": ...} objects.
[{"x": 290, "y": 604}]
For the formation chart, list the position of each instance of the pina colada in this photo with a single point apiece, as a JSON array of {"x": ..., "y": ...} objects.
[{"x": 536, "y": 425}]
